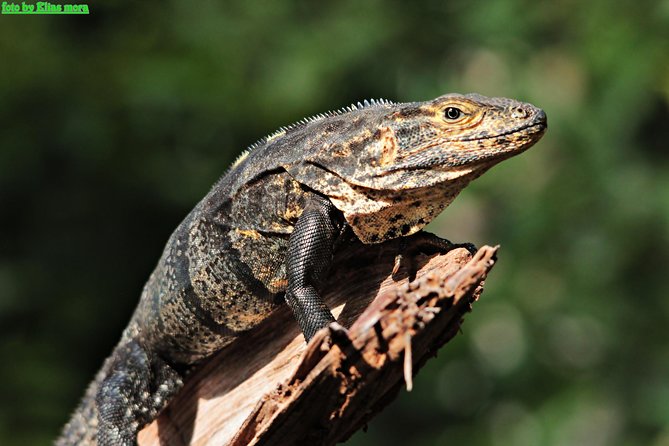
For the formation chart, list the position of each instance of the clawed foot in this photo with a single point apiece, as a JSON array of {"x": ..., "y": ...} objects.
[
  {"x": 336, "y": 334},
  {"x": 426, "y": 243}
]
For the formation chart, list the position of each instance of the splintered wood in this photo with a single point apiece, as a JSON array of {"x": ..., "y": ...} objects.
[{"x": 269, "y": 388}]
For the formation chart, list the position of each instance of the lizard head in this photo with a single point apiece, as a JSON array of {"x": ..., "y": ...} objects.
[
  {"x": 455, "y": 131},
  {"x": 404, "y": 163},
  {"x": 422, "y": 144}
]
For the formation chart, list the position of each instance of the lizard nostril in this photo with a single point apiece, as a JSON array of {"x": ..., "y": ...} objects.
[{"x": 519, "y": 113}]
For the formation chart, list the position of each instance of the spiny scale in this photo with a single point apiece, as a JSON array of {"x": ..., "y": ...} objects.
[{"x": 304, "y": 121}]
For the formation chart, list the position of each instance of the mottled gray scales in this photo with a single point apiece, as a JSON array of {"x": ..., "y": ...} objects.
[{"x": 268, "y": 230}]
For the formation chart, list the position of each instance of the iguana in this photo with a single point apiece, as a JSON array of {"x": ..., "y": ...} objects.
[{"x": 267, "y": 231}]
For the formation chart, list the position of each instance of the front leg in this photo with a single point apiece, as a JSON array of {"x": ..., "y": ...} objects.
[{"x": 310, "y": 252}]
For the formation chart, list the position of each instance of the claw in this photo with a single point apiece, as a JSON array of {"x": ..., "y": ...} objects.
[
  {"x": 397, "y": 264},
  {"x": 339, "y": 335}
]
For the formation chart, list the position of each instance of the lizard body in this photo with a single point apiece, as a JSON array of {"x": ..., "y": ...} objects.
[{"x": 267, "y": 231}]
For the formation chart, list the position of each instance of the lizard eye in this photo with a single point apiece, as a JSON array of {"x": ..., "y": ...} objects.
[{"x": 452, "y": 113}]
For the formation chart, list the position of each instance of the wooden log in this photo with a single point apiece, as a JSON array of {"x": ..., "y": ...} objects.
[{"x": 270, "y": 388}]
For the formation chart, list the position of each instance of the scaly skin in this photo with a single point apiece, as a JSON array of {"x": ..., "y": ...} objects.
[{"x": 267, "y": 231}]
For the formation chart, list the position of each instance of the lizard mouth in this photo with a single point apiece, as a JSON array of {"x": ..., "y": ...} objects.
[
  {"x": 517, "y": 140},
  {"x": 528, "y": 129},
  {"x": 534, "y": 129}
]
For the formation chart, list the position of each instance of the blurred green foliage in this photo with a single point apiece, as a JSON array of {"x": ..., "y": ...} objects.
[{"x": 114, "y": 125}]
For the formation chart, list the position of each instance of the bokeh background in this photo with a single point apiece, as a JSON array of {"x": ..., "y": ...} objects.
[{"x": 113, "y": 125}]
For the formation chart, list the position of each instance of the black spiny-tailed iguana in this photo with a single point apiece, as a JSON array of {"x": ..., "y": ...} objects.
[{"x": 267, "y": 231}]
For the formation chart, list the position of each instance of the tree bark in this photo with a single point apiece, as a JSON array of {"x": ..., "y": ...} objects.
[{"x": 270, "y": 388}]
